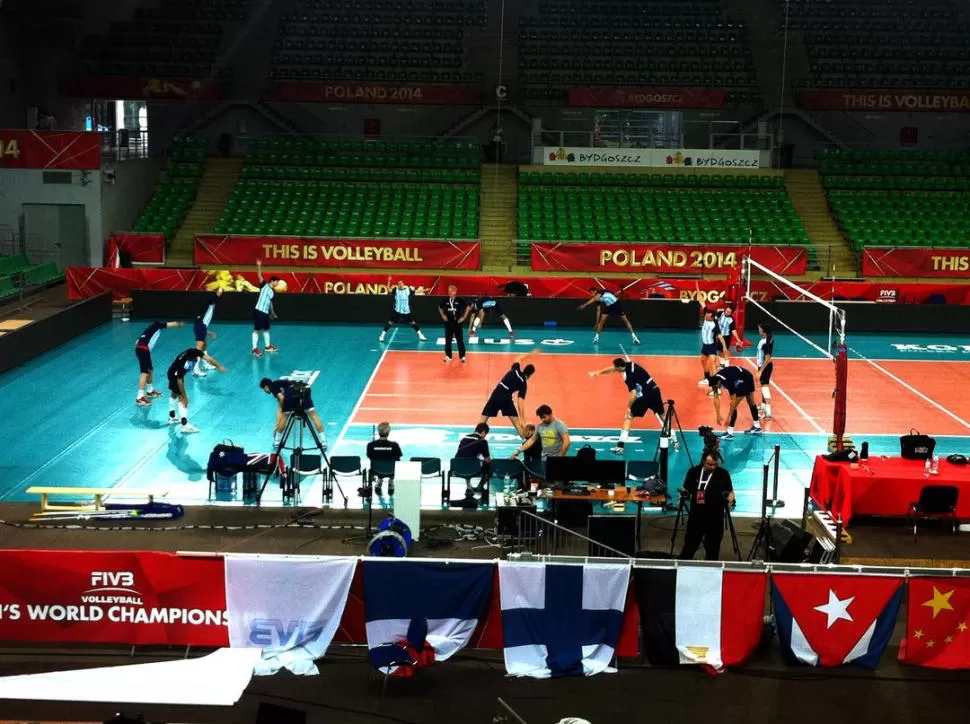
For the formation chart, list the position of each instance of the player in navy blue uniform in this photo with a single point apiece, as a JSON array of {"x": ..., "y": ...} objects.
[
  {"x": 474, "y": 445},
  {"x": 608, "y": 305},
  {"x": 263, "y": 311},
  {"x": 482, "y": 307},
  {"x": 514, "y": 382},
  {"x": 283, "y": 391},
  {"x": 202, "y": 331},
  {"x": 182, "y": 364},
  {"x": 645, "y": 396},
  {"x": 739, "y": 383},
  {"x": 143, "y": 352}
]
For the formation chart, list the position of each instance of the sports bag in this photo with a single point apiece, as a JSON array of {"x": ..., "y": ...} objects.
[{"x": 915, "y": 446}]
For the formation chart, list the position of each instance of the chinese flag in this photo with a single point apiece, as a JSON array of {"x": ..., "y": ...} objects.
[{"x": 938, "y": 623}]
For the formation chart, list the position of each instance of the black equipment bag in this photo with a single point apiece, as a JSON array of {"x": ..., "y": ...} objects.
[
  {"x": 586, "y": 453},
  {"x": 916, "y": 446}
]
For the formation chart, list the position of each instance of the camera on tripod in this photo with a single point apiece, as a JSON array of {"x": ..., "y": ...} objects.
[{"x": 299, "y": 393}]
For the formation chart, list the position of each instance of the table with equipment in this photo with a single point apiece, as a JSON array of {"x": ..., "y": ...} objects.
[
  {"x": 619, "y": 496},
  {"x": 883, "y": 485}
]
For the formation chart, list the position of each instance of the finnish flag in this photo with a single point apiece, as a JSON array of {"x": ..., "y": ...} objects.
[{"x": 561, "y": 620}]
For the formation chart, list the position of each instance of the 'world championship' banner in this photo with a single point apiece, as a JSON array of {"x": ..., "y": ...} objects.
[
  {"x": 663, "y": 258},
  {"x": 881, "y": 261},
  {"x": 305, "y": 251}
]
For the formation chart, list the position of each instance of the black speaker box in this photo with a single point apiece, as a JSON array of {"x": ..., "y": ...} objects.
[
  {"x": 788, "y": 542},
  {"x": 272, "y": 714},
  {"x": 507, "y": 518},
  {"x": 618, "y": 532}
]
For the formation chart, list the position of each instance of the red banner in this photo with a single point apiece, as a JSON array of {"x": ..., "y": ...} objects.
[
  {"x": 641, "y": 97},
  {"x": 908, "y": 101},
  {"x": 49, "y": 149},
  {"x": 86, "y": 282},
  {"x": 879, "y": 261},
  {"x": 122, "y": 597},
  {"x": 663, "y": 258},
  {"x": 403, "y": 94},
  {"x": 144, "y": 248},
  {"x": 127, "y": 87},
  {"x": 307, "y": 251}
]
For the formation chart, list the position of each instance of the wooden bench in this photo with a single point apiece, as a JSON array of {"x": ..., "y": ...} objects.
[{"x": 98, "y": 495}]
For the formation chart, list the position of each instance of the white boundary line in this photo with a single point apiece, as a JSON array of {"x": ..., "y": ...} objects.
[
  {"x": 811, "y": 420},
  {"x": 912, "y": 389},
  {"x": 363, "y": 394}
]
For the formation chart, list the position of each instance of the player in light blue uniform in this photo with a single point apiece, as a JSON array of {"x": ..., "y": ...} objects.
[
  {"x": 608, "y": 305},
  {"x": 401, "y": 293},
  {"x": 263, "y": 311},
  {"x": 727, "y": 334},
  {"x": 708, "y": 345}
]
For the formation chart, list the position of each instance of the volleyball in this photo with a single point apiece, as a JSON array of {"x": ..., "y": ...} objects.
[{"x": 280, "y": 286}]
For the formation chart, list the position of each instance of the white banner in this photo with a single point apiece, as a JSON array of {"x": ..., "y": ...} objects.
[
  {"x": 650, "y": 157},
  {"x": 288, "y": 606}
]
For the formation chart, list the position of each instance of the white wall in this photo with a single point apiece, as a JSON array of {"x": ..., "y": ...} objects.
[{"x": 19, "y": 187}]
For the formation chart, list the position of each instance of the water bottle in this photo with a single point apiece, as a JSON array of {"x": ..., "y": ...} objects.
[
  {"x": 507, "y": 487},
  {"x": 927, "y": 468},
  {"x": 936, "y": 465},
  {"x": 864, "y": 455}
]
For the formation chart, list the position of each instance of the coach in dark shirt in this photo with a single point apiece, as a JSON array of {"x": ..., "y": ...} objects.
[
  {"x": 474, "y": 445},
  {"x": 454, "y": 311},
  {"x": 383, "y": 449}
]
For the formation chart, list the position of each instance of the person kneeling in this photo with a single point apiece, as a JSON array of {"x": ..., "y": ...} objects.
[{"x": 709, "y": 490}]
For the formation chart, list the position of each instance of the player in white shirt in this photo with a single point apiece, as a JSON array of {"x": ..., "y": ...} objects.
[{"x": 264, "y": 310}]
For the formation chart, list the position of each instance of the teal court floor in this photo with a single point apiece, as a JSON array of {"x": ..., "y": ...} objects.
[{"x": 72, "y": 421}]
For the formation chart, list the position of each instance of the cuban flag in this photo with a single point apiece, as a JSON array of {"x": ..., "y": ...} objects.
[
  {"x": 830, "y": 620},
  {"x": 561, "y": 620},
  {"x": 451, "y": 596}
]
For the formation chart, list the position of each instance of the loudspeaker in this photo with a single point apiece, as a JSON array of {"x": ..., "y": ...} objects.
[
  {"x": 572, "y": 513},
  {"x": 272, "y": 714},
  {"x": 507, "y": 518},
  {"x": 788, "y": 542},
  {"x": 618, "y": 532}
]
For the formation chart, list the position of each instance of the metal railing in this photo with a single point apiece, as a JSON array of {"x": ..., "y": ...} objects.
[
  {"x": 124, "y": 145},
  {"x": 540, "y": 536}
]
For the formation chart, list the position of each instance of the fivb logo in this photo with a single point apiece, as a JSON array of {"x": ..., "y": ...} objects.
[
  {"x": 113, "y": 581},
  {"x": 518, "y": 342},
  {"x": 270, "y": 633},
  {"x": 887, "y": 296}
]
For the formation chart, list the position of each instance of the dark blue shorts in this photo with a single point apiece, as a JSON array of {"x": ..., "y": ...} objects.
[
  {"x": 494, "y": 309},
  {"x": 614, "y": 310},
  {"x": 709, "y": 349},
  {"x": 144, "y": 360},
  {"x": 500, "y": 405},
  {"x": 650, "y": 402},
  {"x": 201, "y": 330},
  {"x": 260, "y": 321},
  {"x": 766, "y": 373},
  {"x": 173, "y": 385},
  {"x": 743, "y": 389}
]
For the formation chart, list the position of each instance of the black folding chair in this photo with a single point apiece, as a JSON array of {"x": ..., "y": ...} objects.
[
  {"x": 937, "y": 502},
  {"x": 512, "y": 468},
  {"x": 431, "y": 468},
  {"x": 465, "y": 469},
  {"x": 381, "y": 470},
  {"x": 342, "y": 466}
]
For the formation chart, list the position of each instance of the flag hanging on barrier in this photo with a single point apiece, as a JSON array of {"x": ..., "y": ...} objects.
[
  {"x": 937, "y": 623},
  {"x": 829, "y": 620},
  {"x": 561, "y": 620},
  {"x": 699, "y": 615},
  {"x": 289, "y": 606},
  {"x": 450, "y": 597}
]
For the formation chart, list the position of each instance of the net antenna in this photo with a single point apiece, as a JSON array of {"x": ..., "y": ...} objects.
[
  {"x": 836, "y": 349},
  {"x": 795, "y": 293}
]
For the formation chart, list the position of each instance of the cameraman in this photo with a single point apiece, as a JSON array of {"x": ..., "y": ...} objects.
[
  {"x": 709, "y": 489},
  {"x": 293, "y": 396}
]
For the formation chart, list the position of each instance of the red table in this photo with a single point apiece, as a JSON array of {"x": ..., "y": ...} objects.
[{"x": 883, "y": 486}]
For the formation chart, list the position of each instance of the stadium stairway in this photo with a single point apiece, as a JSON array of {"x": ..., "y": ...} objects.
[
  {"x": 215, "y": 187},
  {"x": 497, "y": 222},
  {"x": 832, "y": 251}
]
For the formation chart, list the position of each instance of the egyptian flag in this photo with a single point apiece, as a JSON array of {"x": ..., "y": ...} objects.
[
  {"x": 937, "y": 623},
  {"x": 699, "y": 615}
]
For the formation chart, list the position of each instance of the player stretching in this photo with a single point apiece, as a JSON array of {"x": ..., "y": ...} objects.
[
  {"x": 143, "y": 351},
  {"x": 609, "y": 306},
  {"x": 401, "y": 313},
  {"x": 727, "y": 334},
  {"x": 264, "y": 310},
  {"x": 644, "y": 397},
  {"x": 739, "y": 383},
  {"x": 516, "y": 380},
  {"x": 202, "y": 333},
  {"x": 766, "y": 348},
  {"x": 481, "y": 307},
  {"x": 708, "y": 346},
  {"x": 176, "y": 385}
]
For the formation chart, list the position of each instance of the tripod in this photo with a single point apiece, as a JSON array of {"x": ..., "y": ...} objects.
[
  {"x": 681, "y": 507},
  {"x": 729, "y": 526},
  {"x": 297, "y": 420},
  {"x": 661, "y": 456},
  {"x": 763, "y": 536}
]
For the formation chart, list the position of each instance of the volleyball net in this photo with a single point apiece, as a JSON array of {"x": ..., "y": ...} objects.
[{"x": 834, "y": 348}]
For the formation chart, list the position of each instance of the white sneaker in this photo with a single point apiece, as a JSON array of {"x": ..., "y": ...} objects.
[
  {"x": 636, "y": 340},
  {"x": 381, "y": 338},
  {"x": 596, "y": 339},
  {"x": 724, "y": 363},
  {"x": 207, "y": 365},
  {"x": 173, "y": 421},
  {"x": 143, "y": 401},
  {"x": 447, "y": 358},
  {"x": 199, "y": 373},
  {"x": 188, "y": 428},
  {"x": 421, "y": 337},
  {"x": 703, "y": 382},
  {"x": 473, "y": 339}
]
